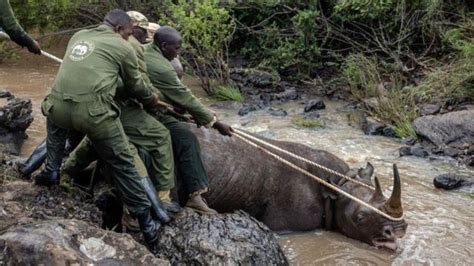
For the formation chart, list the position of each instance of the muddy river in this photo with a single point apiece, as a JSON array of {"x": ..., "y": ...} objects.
[{"x": 440, "y": 224}]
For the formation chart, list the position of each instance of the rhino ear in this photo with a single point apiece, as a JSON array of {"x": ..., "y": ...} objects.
[
  {"x": 367, "y": 172},
  {"x": 378, "y": 195}
]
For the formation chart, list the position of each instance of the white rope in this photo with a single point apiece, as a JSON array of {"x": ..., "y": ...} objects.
[
  {"x": 318, "y": 179},
  {"x": 302, "y": 159}
]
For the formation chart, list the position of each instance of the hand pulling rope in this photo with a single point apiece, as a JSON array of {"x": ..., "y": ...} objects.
[
  {"x": 302, "y": 159},
  {"x": 318, "y": 179}
]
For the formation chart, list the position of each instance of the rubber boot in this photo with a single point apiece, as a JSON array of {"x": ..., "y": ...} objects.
[
  {"x": 33, "y": 162},
  {"x": 47, "y": 178},
  {"x": 149, "y": 228},
  {"x": 170, "y": 206},
  {"x": 197, "y": 203},
  {"x": 157, "y": 207}
]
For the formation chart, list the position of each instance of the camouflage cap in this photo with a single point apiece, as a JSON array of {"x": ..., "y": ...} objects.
[
  {"x": 152, "y": 28},
  {"x": 138, "y": 19}
]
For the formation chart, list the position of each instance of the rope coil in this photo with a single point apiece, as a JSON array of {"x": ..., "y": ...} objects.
[{"x": 242, "y": 136}]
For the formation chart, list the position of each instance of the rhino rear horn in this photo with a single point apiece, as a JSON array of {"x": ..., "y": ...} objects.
[
  {"x": 367, "y": 172},
  {"x": 394, "y": 203}
]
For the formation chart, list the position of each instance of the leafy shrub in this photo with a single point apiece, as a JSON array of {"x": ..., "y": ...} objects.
[
  {"x": 228, "y": 93},
  {"x": 206, "y": 30}
]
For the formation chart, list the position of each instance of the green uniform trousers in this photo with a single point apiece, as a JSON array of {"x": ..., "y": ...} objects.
[
  {"x": 97, "y": 117},
  {"x": 187, "y": 155},
  {"x": 145, "y": 133}
]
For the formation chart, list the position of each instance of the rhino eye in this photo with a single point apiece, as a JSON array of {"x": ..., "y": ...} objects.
[{"x": 361, "y": 217}]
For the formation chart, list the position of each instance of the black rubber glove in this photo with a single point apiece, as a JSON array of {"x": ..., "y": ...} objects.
[
  {"x": 223, "y": 128},
  {"x": 34, "y": 48}
]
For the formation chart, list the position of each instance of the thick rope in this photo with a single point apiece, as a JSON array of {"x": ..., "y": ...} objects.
[
  {"x": 302, "y": 159},
  {"x": 318, "y": 179}
]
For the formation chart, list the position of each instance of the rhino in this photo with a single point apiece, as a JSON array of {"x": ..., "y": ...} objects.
[{"x": 244, "y": 177}]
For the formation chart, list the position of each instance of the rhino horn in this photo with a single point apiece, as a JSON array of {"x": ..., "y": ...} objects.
[
  {"x": 367, "y": 172},
  {"x": 378, "y": 189},
  {"x": 394, "y": 203}
]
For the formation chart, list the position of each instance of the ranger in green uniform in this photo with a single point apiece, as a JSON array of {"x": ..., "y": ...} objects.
[
  {"x": 82, "y": 99},
  {"x": 14, "y": 30},
  {"x": 142, "y": 129},
  {"x": 165, "y": 47}
]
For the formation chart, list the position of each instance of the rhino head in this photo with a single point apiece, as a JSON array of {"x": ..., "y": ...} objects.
[{"x": 359, "y": 222}]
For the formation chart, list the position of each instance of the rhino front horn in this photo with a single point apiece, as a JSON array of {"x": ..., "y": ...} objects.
[{"x": 394, "y": 203}]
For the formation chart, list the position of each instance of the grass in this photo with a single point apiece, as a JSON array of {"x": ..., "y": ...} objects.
[
  {"x": 307, "y": 122},
  {"x": 228, "y": 93}
]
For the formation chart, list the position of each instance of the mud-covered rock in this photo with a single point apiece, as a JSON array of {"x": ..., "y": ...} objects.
[
  {"x": 277, "y": 112},
  {"x": 224, "y": 239},
  {"x": 372, "y": 127},
  {"x": 409, "y": 141},
  {"x": 314, "y": 104},
  {"x": 452, "y": 181},
  {"x": 247, "y": 109},
  {"x": 253, "y": 81},
  {"x": 15, "y": 118},
  {"x": 287, "y": 95},
  {"x": 69, "y": 242},
  {"x": 430, "y": 109},
  {"x": 455, "y": 128}
]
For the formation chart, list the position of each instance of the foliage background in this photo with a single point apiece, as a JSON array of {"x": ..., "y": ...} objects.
[{"x": 402, "y": 52}]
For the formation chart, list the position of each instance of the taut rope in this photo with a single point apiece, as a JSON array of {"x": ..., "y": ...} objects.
[
  {"x": 243, "y": 136},
  {"x": 302, "y": 159}
]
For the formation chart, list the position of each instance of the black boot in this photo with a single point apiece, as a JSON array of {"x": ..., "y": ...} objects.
[
  {"x": 47, "y": 178},
  {"x": 35, "y": 160},
  {"x": 157, "y": 207},
  {"x": 172, "y": 207},
  {"x": 149, "y": 228}
]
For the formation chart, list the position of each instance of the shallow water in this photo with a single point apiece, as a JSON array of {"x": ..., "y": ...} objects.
[{"x": 440, "y": 223}]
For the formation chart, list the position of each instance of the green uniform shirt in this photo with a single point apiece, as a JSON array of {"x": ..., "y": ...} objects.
[
  {"x": 11, "y": 26},
  {"x": 164, "y": 78},
  {"x": 107, "y": 52}
]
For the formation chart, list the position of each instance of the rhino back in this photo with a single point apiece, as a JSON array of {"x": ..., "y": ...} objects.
[{"x": 244, "y": 177}]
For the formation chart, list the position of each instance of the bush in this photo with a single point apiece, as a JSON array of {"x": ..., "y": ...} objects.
[
  {"x": 228, "y": 93},
  {"x": 206, "y": 30}
]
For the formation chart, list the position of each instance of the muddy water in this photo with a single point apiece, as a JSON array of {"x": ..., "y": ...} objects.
[
  {"x": 30, "y": 77},
  {"x": 441, "y": 224}
]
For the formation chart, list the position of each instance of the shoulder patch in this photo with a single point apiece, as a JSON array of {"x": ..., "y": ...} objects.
[{"x": 81, "y": 50}]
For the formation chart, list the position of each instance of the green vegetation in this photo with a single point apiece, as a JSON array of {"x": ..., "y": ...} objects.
[
  {"x": 228, "y": 93},
  {"x": 307, "y": 122},
  {"x": 405, "y": 53},
  {"x": 206, "y": 30}
]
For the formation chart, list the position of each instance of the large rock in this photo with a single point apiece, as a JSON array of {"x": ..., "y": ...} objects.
[
  {"x": 15, "y": 118},
  {"x": 224, "y": 239},
  {"x": 69, "y": 242},
  {"x": 455, "y": 128},
  {"x": 452, "y": 181},
  {"x": 253, "y": 81}
]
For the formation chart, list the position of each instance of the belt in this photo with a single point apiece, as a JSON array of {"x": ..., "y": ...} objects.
[{"x": 79, "y": 97}]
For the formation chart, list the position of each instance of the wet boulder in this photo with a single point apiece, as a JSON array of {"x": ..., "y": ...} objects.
[
  {"x": 455, "y": 128},
  {"x": 277, "y": 112},
  {"x": 246, "y": 109},
  {"x": 452, "y": 181},
  {"x": 224, "y": 239},
  {"x": 314, "y": 104},
  {"x": 69, "y": 242},
  {"x": 15, "y": 117},
  {"x": 253, "y": 81},
  {"x": 430, "y": 109}
]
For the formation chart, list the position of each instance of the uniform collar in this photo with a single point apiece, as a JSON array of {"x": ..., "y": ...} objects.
[
  {"x": 156, "y": 48},
  {"x": 104, "y": 27}
]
